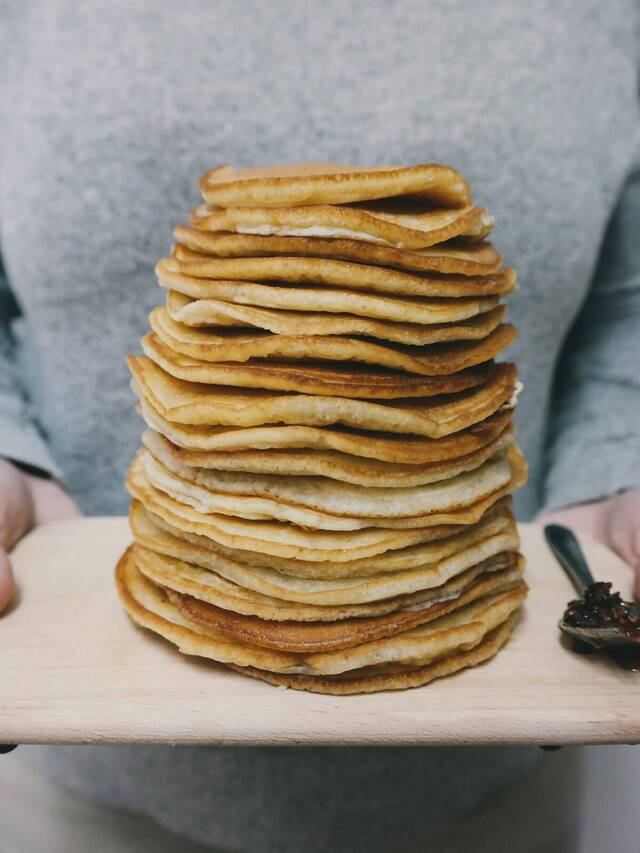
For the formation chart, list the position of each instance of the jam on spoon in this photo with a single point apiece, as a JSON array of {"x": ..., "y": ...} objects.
[
  {"x": 600, "y": 619},
  {"x": 601, "y": 608}
]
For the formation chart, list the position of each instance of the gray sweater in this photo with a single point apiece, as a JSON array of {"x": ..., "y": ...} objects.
[{"x": 109, "y": 113}]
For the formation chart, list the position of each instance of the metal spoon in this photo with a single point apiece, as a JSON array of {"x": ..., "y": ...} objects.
[{"x": 569, "y": 554}]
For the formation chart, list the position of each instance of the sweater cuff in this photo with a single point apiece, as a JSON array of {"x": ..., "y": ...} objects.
[
  {"x": 23, "y": 444},
  {"x": 592, "y": 471}
]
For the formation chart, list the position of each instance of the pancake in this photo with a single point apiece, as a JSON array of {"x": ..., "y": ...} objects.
[
  {"x": 403, "y": 226},
  {"x": 440, "y": 543},
  {"x": 193, "y": 403},
  {"x": 150, "y": 607},
  {"x": 214, "y": 590},
  {"x": 213, "y": 345},
  {"x": 326, "y": 463},
  {"x": 332, "y": 379},
  {"x": 215, "y": 574},
  {"x": 332, "y": 272},
  {"x": 331, "y": 183},
  {"x": 323, "y": 502},
  {"x": 476, "y": 259},
  {"x": 294, "y": 542},
  {"x": 376, "y": 679},
  {"x": 217, "y": 313},
  {"x": 384, "y": 447},
  {"x": 264, "y": 592},
  {"x": 414, "y": 309},
  {"x": 292, "y": 636}
]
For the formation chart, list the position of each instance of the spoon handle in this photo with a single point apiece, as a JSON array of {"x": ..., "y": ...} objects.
[{"x": 568, "y": 553}]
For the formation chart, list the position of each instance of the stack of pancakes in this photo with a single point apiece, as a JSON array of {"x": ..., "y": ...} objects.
[{"x": 322, "y": 496}]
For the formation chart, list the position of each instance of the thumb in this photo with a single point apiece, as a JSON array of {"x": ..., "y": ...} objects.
[{"x": 6, "y": 580}]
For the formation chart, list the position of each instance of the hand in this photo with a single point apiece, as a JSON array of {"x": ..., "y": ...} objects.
[
  {"x": 615, "y": 522},
  {"x": 25, "y": 502}
]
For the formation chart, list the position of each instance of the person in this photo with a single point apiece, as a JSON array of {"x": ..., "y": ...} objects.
[{"x": 110, "y": 112}]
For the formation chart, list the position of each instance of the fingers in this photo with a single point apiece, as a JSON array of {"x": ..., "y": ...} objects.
[
  {"x": 16, "y": 505},
  {"x": 6, "y": 580},
  {"x": 623, "y": 526},
  {"x": 623, "y": 530},
  {"x": 50, "y": 501}
]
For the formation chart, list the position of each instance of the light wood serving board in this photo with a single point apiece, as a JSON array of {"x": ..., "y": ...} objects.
[{"x": 73, "y": 669}]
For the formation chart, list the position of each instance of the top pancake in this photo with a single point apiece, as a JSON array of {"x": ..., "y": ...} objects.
[
  {"x": 471, "y": 260},
  {"x": 330, "y": 183},
  {"x": 403, "y": 226}
]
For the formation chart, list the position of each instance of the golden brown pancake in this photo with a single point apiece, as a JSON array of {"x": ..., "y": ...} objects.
[
  {"x": 385, "y": 447},
  {"x": 275, "y": 539},
  {"x": 326, "y": 463},
  {"x": 246, "y": 568},
  {"x": 400, "y": 678},
  {"x": 150, "y": 607},
  {"x": 331, "y": 183},
  {"x": 317, "y": 601},
  {"x": 213, "y": 345},
  {"x": 262, "y": 529},
  {"x": 321, "y": 502},
  {"x": 256, "y": 591},
  {"x": 282, "y": 539},
  {"x": 234, "y": 319},
  {"x": 346, "y": 274},
  {"x": 327, "y": 301},
  {"x": 396, "y": 224},
  {"x": 332, "y": 379},
  {"x": 193, "y": 403},
  {"x": 476, "y": 259},
  {"x": 327, "y": 636}
]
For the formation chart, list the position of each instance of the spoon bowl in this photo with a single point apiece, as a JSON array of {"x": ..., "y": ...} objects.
[{"x": 597, "y": 637}]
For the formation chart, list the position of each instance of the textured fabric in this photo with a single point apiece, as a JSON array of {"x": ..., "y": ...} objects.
[
  {"x": 109, "y": 113},
  {"x": 20, "y": 437},
  {"x": 40, "y": 816},
  {"x": 537, "y": 814},
  {"x": 596, "y": 421}
]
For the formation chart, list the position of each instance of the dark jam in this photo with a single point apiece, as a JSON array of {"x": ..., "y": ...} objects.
[{"x": 601, "y": 608}]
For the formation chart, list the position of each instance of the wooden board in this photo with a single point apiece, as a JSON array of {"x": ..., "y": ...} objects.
[{"x": 73, "y": 669}]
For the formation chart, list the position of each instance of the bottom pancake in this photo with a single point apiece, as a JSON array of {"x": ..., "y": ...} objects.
[
  {"x": 372, "y": 682},
  {"x": 149, "y": 607}
]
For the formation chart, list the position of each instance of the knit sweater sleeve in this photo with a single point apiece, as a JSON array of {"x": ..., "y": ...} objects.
[
  {"x": 20, "y": 438},
  {"x": 593, "y": 445}
]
